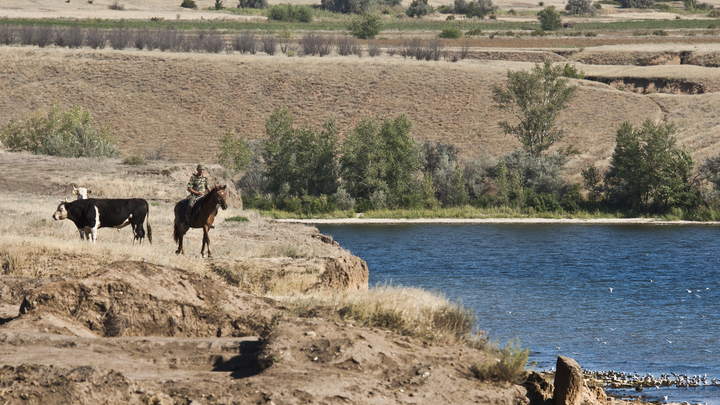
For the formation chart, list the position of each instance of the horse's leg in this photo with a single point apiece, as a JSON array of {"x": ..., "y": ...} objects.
[{"x": 206, "y": 241}]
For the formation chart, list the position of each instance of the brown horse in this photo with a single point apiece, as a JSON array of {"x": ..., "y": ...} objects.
[{"x": 203, "y": 219}]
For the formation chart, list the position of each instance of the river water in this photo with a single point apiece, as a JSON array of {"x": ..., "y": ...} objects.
[{"x": 633, "y": 298}]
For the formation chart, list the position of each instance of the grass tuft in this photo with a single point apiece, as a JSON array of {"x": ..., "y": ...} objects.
[{"x": 506, "y": 364}]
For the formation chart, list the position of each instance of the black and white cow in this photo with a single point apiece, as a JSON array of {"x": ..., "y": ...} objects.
[{"x": 91, "y": 214}]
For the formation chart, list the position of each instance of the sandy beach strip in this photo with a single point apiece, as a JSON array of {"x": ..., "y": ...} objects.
[{"x": 511, "y": 221}]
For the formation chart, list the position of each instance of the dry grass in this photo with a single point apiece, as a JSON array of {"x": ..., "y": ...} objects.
[
  {"x": 407, "y": 310},
  {"x": 259, "y": 256}
]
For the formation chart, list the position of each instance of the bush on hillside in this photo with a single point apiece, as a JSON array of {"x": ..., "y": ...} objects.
[
  {"x": 549, "y": 19},
  {"x": 580, "y": 7},
  {"x": 60, "y": 133},
  {"x": 347, "y": 6},
  {"x": 258, "y": 4},
  {"x": 365, "y": 27},
  {"x": 290, "y": 13},
  {"x": 188, "y": 4},
  {"x": 636, "y": 3},
  {"x": 418, "y": 8},
  {"x": 450, "y": 33}
]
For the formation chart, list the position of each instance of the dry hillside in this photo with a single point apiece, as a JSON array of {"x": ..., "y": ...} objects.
[{"x": 177, "y": 106}]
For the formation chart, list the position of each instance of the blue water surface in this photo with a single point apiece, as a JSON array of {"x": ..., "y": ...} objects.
[{"x": 635, "y": 298}]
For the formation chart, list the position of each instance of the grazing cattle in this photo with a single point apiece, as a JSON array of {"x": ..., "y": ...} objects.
[{"x": 91, "y": 214}]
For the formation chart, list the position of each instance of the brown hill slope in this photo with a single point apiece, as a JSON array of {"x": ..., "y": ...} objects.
[{"x": 178, "y": 106}]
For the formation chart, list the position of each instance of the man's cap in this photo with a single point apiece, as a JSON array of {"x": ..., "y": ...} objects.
[{"x": 201, "y": 167}]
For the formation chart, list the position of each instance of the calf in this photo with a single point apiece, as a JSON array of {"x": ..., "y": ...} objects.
[
  {"x": 81, "y": 193},
  {"x": 91, "y": 214}
]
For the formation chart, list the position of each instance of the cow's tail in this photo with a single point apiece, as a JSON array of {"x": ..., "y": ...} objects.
[{"x": 147, "y": 222}]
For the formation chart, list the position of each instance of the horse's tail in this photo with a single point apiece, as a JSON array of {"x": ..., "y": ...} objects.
[
  {"x": 176, "y": 233},
  {"x": 147, "y": 222}
]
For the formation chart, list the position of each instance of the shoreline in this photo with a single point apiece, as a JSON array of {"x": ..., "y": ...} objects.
[{"x": 502, "y": 221}]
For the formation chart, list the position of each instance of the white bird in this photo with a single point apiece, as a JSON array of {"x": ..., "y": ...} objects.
[
  {"x": 669, "y": 341},
  {"x": 651, "y": 280},
  {"x": 689, "y": 291},
  {"x": 610, "y": 290}
]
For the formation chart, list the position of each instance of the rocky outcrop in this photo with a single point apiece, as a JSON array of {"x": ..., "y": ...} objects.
[
  {"x": 569, "y": 381},
  {"x": 346, "y": 273},
  {"x": 539, "y": 390},
  {"x": 570, "y": 387}
]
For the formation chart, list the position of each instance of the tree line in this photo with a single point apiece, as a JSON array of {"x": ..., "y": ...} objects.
[{"x": 379, "y": 165}]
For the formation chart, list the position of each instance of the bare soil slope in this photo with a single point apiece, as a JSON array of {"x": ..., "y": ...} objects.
[{"x": 139, "y": 333}]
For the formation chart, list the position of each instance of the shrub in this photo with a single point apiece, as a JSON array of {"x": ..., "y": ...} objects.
[
  {"x": 27, "y": 35},
  {"x": 365, "y": 27},
  {"x": 7, "y": 34},
  {"x": 218, "y": 4},
  {"x": 290, "y": 13},
  {"x": 418, "y": 8},
  {"x": 316, "y": 44},
  {"x": 451, "y": 33},
  {"x": 96, "y": 38},
  {"x": 269, "y": 44},
  {"x": 636, "y": 3},
  {"x": 72, "y": 37},
  {"x": 660, "y": 33},
  {"x": 257, "y": 4},
  {"x": 713, "y": 14},
  {"x": 244, "y": 42},
  {"x": 44, "y": 36},
  {"x": 237, "y": 218},
  {"x": 346, "y": 45},
  {"x": 507, "y": 364},
  {"x": 572, "y": 72},
  {"x": 116, "y": 6},
  {"x": 60, "y": 133},
  {"x": 541, "y": 174},
  {"x": 473, "y": 32},
  {"x": 580, "y": 7},
  {"x": 188, "y": 4},
  {"x": 168, "y": 39},
  {"x": 549, "y": 19},
  {"x": 344, "y": 200},
  {"x": 134, "y": 161},
  {"x": 347, "y": 6},
  {"x": 373, "y": 49},
  {"x": 120, "y": 38}
]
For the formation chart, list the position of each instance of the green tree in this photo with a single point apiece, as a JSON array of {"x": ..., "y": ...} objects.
[
  {"x": 380, "y": 157},
  {"x": 300, "y": 161},
  {"x": 580, "y": 7},
  {"x": 502, "y": 182},
  {"x": 535, "y": 98},
  {"x": 549, "y": 19},
  {"x": 347, "y": 6},
  {"x": 366, "y": 26},
  {"x": 648, "y": 168},
  {"x": 418, "y": 8},
  {"x": 592, "y": 181},
  {"x": 460, "y": 192},
  {"x": 234, "y": 153}
]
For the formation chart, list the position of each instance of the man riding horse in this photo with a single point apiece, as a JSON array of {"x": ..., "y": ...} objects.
[{"x": 197, "y": 187}]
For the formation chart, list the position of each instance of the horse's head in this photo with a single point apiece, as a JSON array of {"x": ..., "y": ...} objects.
[{"x": 219, "y": 195}]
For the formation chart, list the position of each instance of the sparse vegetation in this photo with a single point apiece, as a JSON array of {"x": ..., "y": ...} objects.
[
  {"x": 60, "y": 133},
  {"x": 506, "y": 364},
  {"x": 450, "y": 33},
  {"x": 188, "y": 4},
  {"x": 134, "y": 160}
]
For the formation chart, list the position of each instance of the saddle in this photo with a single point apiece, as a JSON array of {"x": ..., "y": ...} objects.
[{"x": 195, "y": 209}]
